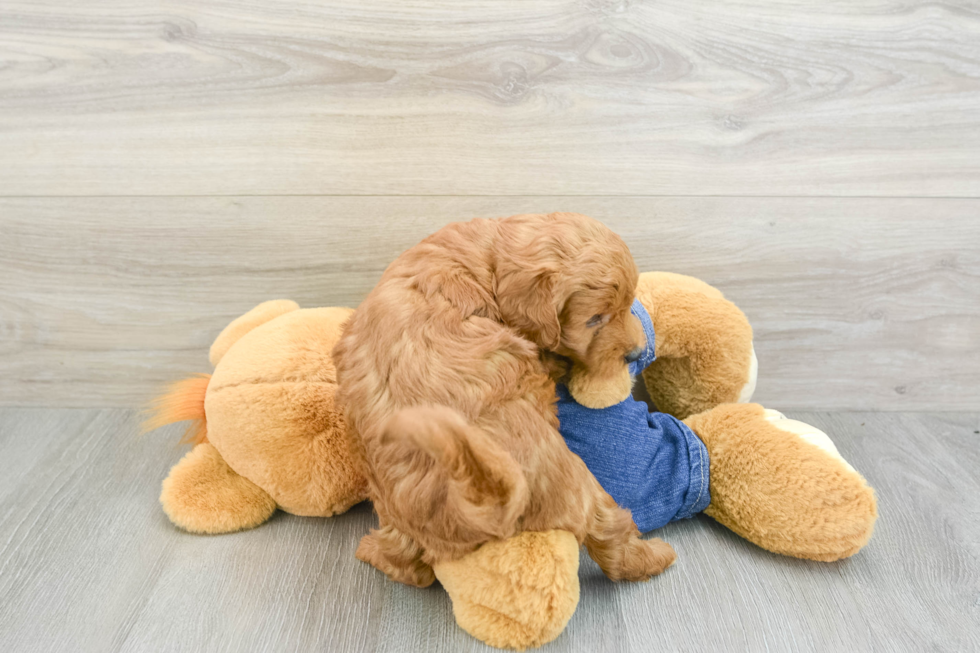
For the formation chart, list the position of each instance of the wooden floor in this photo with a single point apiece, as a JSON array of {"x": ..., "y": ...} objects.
[
  {"x": 165, "y": 165},
  {"x": 89, "y": 562}
]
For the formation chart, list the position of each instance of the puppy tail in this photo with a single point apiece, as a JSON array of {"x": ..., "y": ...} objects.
[
  {"x": 457, "y": 485},
  {"x": 183, "y": 401}
]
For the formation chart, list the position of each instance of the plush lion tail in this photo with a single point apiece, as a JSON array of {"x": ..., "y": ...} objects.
[
  {"x": 450, "y": 480},
  {"x": 183, "y": 401}
]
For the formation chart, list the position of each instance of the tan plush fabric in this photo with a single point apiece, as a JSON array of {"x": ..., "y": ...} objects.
[
  {"x": 271, "y": 413},
  {"x": 779, "y": 491},
  {"x": 704, "y": 344},
  {"x": 258, "y": 316},
  {"x": 203, "y": 495},
  {"x": 518, "y": 593}
]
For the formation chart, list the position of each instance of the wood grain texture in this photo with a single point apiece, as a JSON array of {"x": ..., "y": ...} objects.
[
  {"x": 154, "y": 158},
  {"x": 619, "y": 97},
  {"x": 88, "y": 561},
  {"x": 856, "y": 303}
]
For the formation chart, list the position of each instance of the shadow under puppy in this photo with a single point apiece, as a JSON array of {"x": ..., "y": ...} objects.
[{"x": 441, "y": 379}]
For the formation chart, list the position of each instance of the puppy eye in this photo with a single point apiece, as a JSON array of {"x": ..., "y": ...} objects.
[{"x": 594, "y": 321}]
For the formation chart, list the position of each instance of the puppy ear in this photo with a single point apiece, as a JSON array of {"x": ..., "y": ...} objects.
[
  {"x": 528, "y": 301},
  {"x": 543, "y": 311}
]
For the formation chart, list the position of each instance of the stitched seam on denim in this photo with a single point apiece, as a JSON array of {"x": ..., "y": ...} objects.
[{"x": 701, "y": 464}]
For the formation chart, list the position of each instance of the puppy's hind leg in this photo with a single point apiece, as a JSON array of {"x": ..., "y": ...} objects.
[
  {"x": 614, "y": 543},
  {"x": 397, "y": 555}
]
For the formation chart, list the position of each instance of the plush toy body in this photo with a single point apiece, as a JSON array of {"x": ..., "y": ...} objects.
[
  {"x": 273, "y": 437},
  {"x": 267, "y": 435}
]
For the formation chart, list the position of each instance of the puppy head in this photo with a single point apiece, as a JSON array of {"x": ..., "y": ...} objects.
[{"x": 567, "y": 282}]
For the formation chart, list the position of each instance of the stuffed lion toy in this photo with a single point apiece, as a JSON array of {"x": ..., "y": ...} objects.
[{"x": 267, "y": 435}]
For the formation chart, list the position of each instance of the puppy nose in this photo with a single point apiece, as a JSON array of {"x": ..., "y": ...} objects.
[{"x": 634, "y": 355}]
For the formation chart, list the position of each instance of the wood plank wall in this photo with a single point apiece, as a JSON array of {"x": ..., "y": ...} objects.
[{"x": 166, "y": 165}]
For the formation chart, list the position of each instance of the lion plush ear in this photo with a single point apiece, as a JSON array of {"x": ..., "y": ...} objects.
[{"x": 528, "y": 301}]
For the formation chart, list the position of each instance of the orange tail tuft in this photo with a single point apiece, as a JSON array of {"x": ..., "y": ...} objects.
[{"x": 184, "y": 400}]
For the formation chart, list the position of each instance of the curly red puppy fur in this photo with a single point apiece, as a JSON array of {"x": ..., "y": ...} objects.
[{"x": 451, "y": 405}]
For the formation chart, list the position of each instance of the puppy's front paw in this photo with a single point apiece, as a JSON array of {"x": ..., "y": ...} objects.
[{"x": 598, "y": 393}]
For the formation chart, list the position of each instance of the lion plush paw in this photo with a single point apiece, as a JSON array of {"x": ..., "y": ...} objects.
[
  {"x": 517, "y": 593},
  {"x": 783, "y": 485},
  {"x": 203, "y": 494},
  {"x": 807, "y": 433}
]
